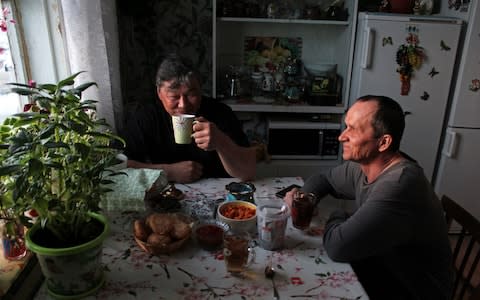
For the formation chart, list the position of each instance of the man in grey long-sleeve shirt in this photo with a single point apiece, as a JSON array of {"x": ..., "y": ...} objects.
[{"x": 396, "y": 240}]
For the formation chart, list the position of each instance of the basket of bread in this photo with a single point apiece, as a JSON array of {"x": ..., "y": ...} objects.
[{"x": 162, "y": 233}]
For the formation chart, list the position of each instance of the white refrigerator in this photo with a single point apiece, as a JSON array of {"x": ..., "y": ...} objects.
[
  {"x": 458, "y": 172},
  {"x": 422, "y": 88}
]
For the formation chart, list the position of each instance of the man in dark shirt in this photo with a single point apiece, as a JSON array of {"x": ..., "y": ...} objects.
[{"x": 219, "y": 148}]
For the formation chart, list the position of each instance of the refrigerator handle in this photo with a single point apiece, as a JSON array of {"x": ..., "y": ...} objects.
[
  {"x": 451, "y": 144},
  {"x": 367, "y": 48}
]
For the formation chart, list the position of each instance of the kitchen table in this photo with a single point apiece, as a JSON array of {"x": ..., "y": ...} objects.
[{"x": 303, "y": 269}]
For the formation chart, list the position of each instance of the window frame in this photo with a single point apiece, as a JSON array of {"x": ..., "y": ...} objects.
[
  {"x": 16, "y": 43},
  {"x": 37, "y": 42}
]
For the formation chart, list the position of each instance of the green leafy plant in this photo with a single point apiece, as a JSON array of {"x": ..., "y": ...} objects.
[{"x": 56, "y": 159}]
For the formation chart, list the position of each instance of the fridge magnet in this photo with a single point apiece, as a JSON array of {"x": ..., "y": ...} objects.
[
  {"x": 433, "y": 72},
  {"x": 455, "y": 4},
  {"x": 444, "y": 46},
  {"x": 475, "y": 86},
  {"x": 409, "y": 57},
  {"x": 461, "y": 5},
  {"x": 387, "y": 41},
  {"x": 425, "y": 96},
  {"x": 385, "y": 6},
  {"x": 423, "y": 7}
]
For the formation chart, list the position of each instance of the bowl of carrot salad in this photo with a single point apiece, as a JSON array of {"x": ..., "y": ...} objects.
[{"x": 239, "y": 215}]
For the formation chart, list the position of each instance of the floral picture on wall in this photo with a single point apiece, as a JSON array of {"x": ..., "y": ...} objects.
[{"x": 267, "y": 54}]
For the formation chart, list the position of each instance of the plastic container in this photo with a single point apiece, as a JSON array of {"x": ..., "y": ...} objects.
[{"x": 272, "y": 218}]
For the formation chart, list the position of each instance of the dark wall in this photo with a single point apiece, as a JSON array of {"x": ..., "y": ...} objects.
[{"x": 150, "y": 29}]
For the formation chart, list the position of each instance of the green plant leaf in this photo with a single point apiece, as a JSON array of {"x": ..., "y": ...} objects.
[
  {"x": 23, "y": 92},
  {"x": 35, "y": 167},
  {"x": 68, "y": 80},
  {"x": 22, "y": 141},
  {"x": 83, "y": 149},
  {"x": 54, "y": 145},
  {"x": 45, "y": 103},
  {"x": 53, "y": 165},
  {"x": 9, "y": 169},
  {"x": 28, "y": 118},
  {"x": 89, "y": 101},
  {"x": 49, "y": 87},
  {"x": 79, "y": 89},
  {"x": 106, "y": 181},
  {"x": 87, "y": 106},
  {"x": 19, "y": 84},
  {"x": 47, "y": 132}
]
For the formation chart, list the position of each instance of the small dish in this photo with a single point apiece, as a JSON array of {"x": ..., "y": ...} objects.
[{"x": 209, "y": 233}]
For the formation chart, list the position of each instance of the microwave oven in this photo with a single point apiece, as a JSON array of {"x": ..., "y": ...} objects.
[{"x": 289, "y": 139}]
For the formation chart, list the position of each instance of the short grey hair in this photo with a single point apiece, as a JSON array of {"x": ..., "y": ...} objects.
[{"x": 176, "y": 68}]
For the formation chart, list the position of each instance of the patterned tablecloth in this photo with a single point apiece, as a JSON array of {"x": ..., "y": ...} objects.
[{"x": 303, "y": 269}]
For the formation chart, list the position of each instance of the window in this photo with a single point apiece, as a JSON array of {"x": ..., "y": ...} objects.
[{"x": 11, "y": 65}]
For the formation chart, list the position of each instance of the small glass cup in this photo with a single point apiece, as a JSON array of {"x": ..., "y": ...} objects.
[
  {"x": 302, "y": 209},
  {"x": 13, "y": 241},
  {"x": 238, "y": 251}
]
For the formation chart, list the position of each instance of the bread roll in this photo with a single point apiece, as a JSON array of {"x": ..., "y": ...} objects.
[
  {"x": 140, "y": 230},
  {"x": 155, "y": 239},
  {"x": 180, "y": 230},
  {"x": 160, "y": 223}
]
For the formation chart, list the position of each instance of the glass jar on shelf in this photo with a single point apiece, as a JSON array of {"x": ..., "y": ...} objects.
[
  {"x": 256, "y": 85},
  {"x": 233, "y": 82},
  {"x": 279, "y": 83},
  {"x": 272, "y": 10},
  {"x": 267, "y": 83},
  {"x": 291, "y": 67}
]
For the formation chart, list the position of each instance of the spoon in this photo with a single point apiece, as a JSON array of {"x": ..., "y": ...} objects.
[{"x": 270, "y": 273}]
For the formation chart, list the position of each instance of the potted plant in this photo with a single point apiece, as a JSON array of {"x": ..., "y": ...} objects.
[{"x": 55, "y": 159}]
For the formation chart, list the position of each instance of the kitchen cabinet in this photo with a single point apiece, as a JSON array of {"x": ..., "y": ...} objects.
[{"x": 323, "y": 42}]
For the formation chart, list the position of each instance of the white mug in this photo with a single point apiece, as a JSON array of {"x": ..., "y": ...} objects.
[{"x": 182, "y": 128}]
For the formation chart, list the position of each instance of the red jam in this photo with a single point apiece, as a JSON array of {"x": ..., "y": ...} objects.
[{"x": 209, "y": 236}]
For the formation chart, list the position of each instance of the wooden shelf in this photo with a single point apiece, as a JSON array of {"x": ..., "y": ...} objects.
[
  {"x": 279, "y": 108},
  {"x": 288, "y": 21}
]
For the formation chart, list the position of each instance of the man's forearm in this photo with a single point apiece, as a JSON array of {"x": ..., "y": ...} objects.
[{"x": 238, "y": 161}]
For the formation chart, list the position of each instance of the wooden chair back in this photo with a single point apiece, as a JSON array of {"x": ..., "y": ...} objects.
[{"x": 466, "y": 249}]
